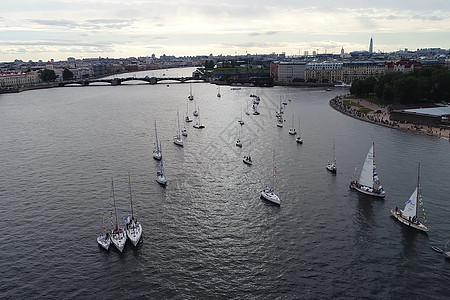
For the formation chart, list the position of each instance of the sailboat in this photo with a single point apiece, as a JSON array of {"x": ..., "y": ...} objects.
[
  {"x": 103, "y": 239},
  {"x": 292, "y": 128},
  {"x": 410, "y": 213},
  {"x": 134, "y": 228},
  {"x": 160, "y": 177},
  {"x": 196, "y": 110},
  {"x": 255, "y": 109},
  {"x": 241, "y": 121},
  {"x": 218, "y": 92},
  {"x": 246, "y": 108},
  {"x": 118, "y": 235},
  {"x": 190, "y": 97},
  {"x": 369, "y": 182},
  {"x": 177, "y": 136},
  {"x": 198, "y": 124},
  {"x": 184, "y": 131},
  {"x": 156, "y": 152},
  {"x": 332, "y": 166},
  {"x": 239, "y": 142},
  {"x": 187, "y": 119},
  {"x": 247, "y": 158},
  {"x": 298, "y": 138},
  {"x": 268, "y": 193}
]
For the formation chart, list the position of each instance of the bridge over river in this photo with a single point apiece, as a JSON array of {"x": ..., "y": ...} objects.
[{"x": 118, "y": 81}]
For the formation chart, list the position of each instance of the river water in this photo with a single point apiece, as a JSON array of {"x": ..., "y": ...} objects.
[{"x": 208, "y": 234}]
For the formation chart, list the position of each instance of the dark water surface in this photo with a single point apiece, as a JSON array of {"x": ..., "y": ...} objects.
[{"x": 208, "y": 234}]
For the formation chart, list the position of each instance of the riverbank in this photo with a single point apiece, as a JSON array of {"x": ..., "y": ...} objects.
[{"x": 380, "y": 115}]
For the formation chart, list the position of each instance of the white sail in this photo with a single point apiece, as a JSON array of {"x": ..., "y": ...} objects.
[
  {"x": 410, "y": 207},
  {"x": 366, "y": 177}
]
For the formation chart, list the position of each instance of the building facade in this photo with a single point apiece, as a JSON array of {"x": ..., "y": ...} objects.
[
  {"x": 362, "y": 69},
  {"x": 287, "y": 71},
  {"x": 323, "y": 72},
  {"x": 19, "y": 79}
]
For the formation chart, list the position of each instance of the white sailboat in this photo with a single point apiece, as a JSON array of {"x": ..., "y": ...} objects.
[
  {"x": 198, "y": 124},
  {"x": 331, "y": 166},
  {"x": 218, "y": 92},
  {"x": 134, "y": 228},
  {"x": 191, "y": 96},
  {"x": 187, "y": 119},
  {"x": 160, "y": 177},
  {"x": 268, "y": 193},
  {"x": 248, "y": 158},
  {"x": 184, "y": 131},
  {"x": 196, "y": 110},
  {"x": 103, "y": 239},
  {"x": 241, "y": 121},
  {"x": 239, "y": 142},
  {"x": 246, "y": 108},
  {"x": 292, "y": 128},
  {"x": 156, "y": 152},
  {"x": 118, "y": 235},
  {"x": 369, "y": 182},
  {"x": 298, "y": 137},
  {"x": 410, "y": 213},
  {"x": 177, "y": 136}
]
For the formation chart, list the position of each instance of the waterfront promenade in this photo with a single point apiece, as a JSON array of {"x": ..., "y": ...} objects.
[{"x": 380, "y": 115}]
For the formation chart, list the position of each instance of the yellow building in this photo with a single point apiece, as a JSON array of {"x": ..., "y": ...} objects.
[
  {"x": 324, "y": 71},
  {"x": 362, "y": 69}
]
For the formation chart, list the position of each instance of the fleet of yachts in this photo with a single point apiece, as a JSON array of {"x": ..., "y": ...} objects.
[{"x": 413, "y": 214}]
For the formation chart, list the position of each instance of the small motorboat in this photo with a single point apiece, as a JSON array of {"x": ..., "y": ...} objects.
[{"x": 248, "y": 160}]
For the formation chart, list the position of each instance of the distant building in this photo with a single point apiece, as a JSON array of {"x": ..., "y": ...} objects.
[
  {"x": 432, "y": 116},
  {"x": 287, "y": 71},
  {"x": 403, "y": 66},
  {"x": 362, "y": 69},
  {"x": 324, "y": 71},
  {"x": 371, "y": 46},
  {"x": 19, "y": 79}
]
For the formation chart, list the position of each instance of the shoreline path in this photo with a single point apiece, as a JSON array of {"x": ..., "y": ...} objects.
[{"x": 380, "y": 116}]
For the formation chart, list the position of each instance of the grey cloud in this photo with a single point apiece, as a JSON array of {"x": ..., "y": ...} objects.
[
  {"x": 263, "y": 33},
  {"x": 93, "y": 24}
]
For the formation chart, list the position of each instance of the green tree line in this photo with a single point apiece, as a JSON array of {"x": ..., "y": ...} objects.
[{"x": 424, "y": 85}]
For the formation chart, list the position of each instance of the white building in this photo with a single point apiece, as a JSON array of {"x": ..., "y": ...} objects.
[
  {"x": 288, "y": 71},
  {"x": 19, "y": 79}
]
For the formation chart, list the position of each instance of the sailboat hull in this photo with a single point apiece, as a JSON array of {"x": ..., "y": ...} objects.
[
  {"x": 119, "y": 239},
  {"x": 331, "y": 168},
  {"x": 178, "y": 142},
  {"x": 134, "y": 232},
  {"x": 407, "y": 222},
  {"x": 161, "y": 179},
  {"x": 367, "y": 191},
  {"x": 271, "y": 197},
  {"x": 103, "y": 242}
]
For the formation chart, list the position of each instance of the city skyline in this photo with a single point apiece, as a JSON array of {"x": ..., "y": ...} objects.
[{"x": 49, "y": 29}]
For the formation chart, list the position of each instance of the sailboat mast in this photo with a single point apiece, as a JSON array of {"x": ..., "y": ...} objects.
[
  {"x": 273, "y": 170},
  {"x": 115, "y": 208},
  {"x": 131, "y": 197},
  {"x": 161, "y": 164},
  {"x": 156, "y": 135},
  {"x": 334, "y": 152},
  {"x": 418, "y": 189},
  {"x": 373, "y": 163}
]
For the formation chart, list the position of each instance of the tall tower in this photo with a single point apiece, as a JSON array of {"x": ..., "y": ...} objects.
[{"x": 371, "y": 46}]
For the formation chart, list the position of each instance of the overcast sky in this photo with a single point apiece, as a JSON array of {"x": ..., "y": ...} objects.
[{"x": 46, "y": 29}]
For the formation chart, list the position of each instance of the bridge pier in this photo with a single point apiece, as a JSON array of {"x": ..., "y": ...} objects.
[{"x": 116, "y": 81}]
